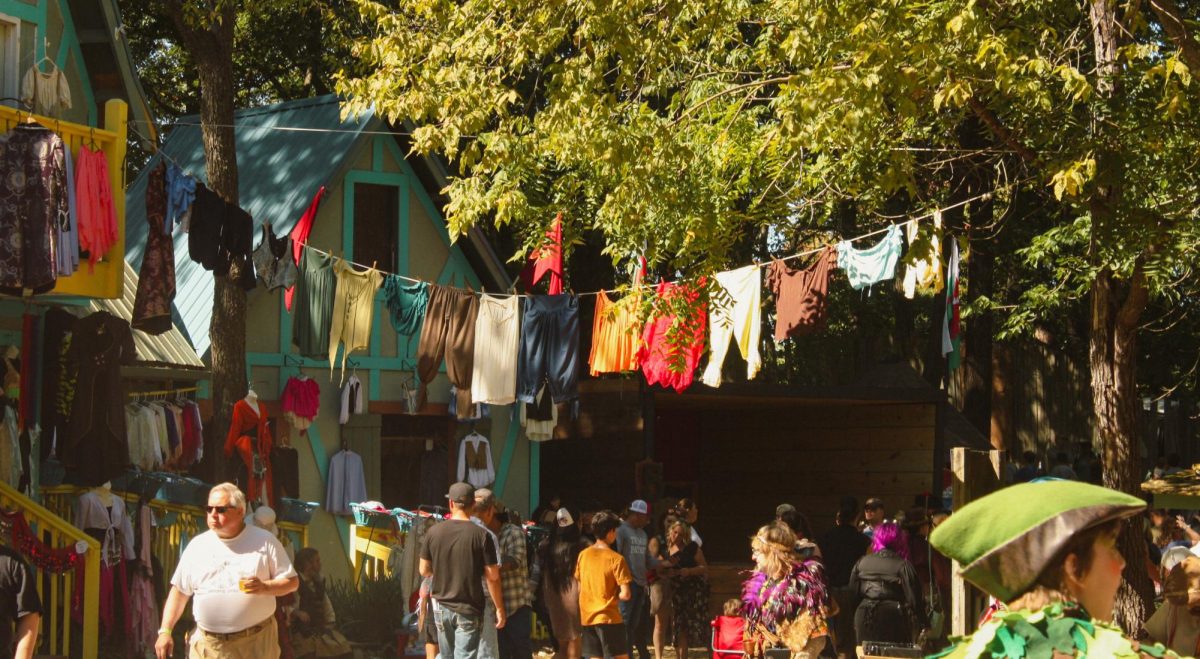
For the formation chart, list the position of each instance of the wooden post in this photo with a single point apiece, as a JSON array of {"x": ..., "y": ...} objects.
[{"x": 976, "y": 473}]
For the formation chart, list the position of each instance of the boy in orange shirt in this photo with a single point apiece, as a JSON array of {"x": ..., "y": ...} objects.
[{"x": 603, "y": 578}]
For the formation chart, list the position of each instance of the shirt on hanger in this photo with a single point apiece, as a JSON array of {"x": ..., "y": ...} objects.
[
  {"x": 346, "y": 482},
  {"x": 47, "y": 93},
  {"x": 925, "y": 274},
  {"x": 475, "y": 461},
  {"x": 352, "y": 399}
]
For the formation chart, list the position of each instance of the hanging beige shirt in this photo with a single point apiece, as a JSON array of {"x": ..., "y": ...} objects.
[
  {"x": 494, "y": 371},
  {"x": 353, "y": 308},
  {"x": 47, "y": 93},
  {"x": 925, "y": 274}
]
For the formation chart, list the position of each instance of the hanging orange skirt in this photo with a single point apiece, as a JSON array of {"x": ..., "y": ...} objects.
[{"x": 615, "y": 335}]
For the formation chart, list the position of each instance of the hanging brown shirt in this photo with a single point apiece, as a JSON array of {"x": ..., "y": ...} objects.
[{"x": 800, "y": 295}]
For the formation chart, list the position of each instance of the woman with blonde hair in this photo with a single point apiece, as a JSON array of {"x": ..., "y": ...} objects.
[{"x": 786, "y": 600}]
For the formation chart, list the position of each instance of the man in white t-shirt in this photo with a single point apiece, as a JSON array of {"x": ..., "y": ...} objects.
[{"x": 235, "y": 572}]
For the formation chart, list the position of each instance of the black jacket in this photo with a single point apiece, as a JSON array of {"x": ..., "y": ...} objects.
[{"x": 887, "y": 576}]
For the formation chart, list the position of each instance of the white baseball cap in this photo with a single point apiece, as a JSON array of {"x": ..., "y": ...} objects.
[
  {"x": 564, "y": 517},
  {"x": 639, "y": 506}
]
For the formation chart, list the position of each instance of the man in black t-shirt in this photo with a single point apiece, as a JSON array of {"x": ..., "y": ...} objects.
[
  {"x": 19, "y": 605},
  {"x": 459, "y": 555}
]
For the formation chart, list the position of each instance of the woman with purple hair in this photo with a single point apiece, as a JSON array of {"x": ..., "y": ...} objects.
[{"x": 884, "y": 590}]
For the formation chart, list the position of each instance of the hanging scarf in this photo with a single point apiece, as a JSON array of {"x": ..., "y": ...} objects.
[{"x": 39, "y": 554}]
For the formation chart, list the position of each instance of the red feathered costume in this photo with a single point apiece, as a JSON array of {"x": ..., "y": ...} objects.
[{"x": 248, "y": 423}]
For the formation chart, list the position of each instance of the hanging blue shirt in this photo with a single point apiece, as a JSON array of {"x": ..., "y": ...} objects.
[
  {"x": 870, "y": 266},
  {"x": 181, "y": 190}
]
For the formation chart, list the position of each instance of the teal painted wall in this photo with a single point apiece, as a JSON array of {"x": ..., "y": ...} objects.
[
  {"x": 425, "y": 253},
  {"x": 43, "y": 21}
]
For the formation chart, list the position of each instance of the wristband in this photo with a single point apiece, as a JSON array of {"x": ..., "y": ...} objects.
[{"x": 164, "y": 630}]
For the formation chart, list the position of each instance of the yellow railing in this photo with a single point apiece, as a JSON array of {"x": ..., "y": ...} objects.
[
  {"x": 57, "y": 590},
  {"x": 107, "y": 280},
  {"x": 371, "y": 548}
]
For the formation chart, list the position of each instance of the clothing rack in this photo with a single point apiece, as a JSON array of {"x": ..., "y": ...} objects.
[{"x": 162, "y": 394}]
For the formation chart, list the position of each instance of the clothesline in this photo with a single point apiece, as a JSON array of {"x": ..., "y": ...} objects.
[
  {"x": 801, "y": 254},
  {"x": 986, "y": 195}
]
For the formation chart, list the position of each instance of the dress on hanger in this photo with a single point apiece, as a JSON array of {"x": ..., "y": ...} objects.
[
  {"x": 156, "y": 278},
  {"x": 250, "y": 436},
  {"x": 301, "y": 402},
  {"x": 96, "y": 448},
  {"x": 32, "y": 199},
  {"x": 47, "y": 93},
  {"x": 475, "y": 461}
]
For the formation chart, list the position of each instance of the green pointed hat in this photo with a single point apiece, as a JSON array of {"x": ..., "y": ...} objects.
[{"x": 1004, "y": 540}]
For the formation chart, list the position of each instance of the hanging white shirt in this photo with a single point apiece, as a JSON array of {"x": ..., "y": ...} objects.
[
  {"x": 352, "y": 399},
  {"x": 476, "y": 475}
]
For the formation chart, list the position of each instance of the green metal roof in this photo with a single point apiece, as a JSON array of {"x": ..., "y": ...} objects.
[{"x": 279, "y": 171}]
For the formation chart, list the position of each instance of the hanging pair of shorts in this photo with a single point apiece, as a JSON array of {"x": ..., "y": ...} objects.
[{"x": 549, "y": 348}]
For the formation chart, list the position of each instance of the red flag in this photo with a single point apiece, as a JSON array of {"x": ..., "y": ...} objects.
[{"x": 547, "y": 259}]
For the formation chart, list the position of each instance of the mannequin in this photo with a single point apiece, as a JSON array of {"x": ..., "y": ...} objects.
[
  {"x": 250, "y": 437},
  {"x": 104, "y": 494}
]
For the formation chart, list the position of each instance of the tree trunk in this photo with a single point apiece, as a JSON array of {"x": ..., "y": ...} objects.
[
  {"x": 1116, "y": 310},
  {"x": 211, "y": 48},
  {"x": 976, "y": 378}
]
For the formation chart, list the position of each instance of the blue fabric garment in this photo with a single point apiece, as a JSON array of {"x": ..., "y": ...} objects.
[
  {"x": 877, "y": 263},
  {"x": 67, "y": 257},
  {"x": 181, "y": 190}
]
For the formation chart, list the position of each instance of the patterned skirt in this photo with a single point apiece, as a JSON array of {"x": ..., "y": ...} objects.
[{"x": 689, "y": 599}]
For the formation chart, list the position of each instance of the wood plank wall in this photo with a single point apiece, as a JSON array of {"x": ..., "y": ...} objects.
[{"x": 809, "y": 455}]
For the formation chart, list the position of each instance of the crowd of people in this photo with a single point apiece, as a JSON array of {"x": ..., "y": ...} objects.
[{"x": 610, "y": 585}]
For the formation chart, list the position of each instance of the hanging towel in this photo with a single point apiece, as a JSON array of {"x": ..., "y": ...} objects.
[
  {"x": 616, "y": 331},
  {"x": 925, "y": 274},
  {"x": 406, "y": 303},
  {"x": 494, "y": 370},
  {"x": 801, "y": 296},
  {"x": 870, "y": 266},
  {"x": 547, "y": 260},
  {"x": 300, "y": 237},
  {"x": 657, "y": 355},
  {"x": 740, "y": 322}
]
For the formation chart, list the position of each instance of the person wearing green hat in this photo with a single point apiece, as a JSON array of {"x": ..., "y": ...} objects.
[{"x": 1048, "y": 550}]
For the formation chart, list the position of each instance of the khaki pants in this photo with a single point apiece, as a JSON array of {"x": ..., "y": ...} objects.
[{"x": 260, "y": 644}]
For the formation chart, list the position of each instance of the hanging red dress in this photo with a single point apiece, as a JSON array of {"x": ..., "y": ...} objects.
[
  {"x": 248, "y": 435},
  {"x": 658, "y": 354}
]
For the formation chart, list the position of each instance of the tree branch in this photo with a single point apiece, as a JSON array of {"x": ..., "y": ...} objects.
[
  {"x": 1001, "y": 131},
  {"x": 1172, "y": 21}
]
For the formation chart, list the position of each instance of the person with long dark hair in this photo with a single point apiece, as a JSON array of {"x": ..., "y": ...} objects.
[
  {"x": 885, "y": 592},
  {"x": 560, "y": 590}
]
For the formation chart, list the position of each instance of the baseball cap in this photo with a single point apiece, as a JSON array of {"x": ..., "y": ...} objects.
[
  {"x": 639, "y": 506},
  {"x": 564, "y": 517},
  {"x": 783, "y": 509},
  {"x": 873, "y": 502},
  {"x": 462, "y": 493}
]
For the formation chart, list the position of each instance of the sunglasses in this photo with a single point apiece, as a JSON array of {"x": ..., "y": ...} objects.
[{"x": 220, "y": 510}]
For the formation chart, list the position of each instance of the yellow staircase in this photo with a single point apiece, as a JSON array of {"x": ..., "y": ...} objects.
[{"x": 57, "y": 590}]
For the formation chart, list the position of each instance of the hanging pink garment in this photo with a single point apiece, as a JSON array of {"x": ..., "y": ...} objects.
[
  {"x": 299, "y": 237},
  {"x": 300, "y": 402},
  {"x": 96, "y": 215},
  {"x": 657, "y": 354}
]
